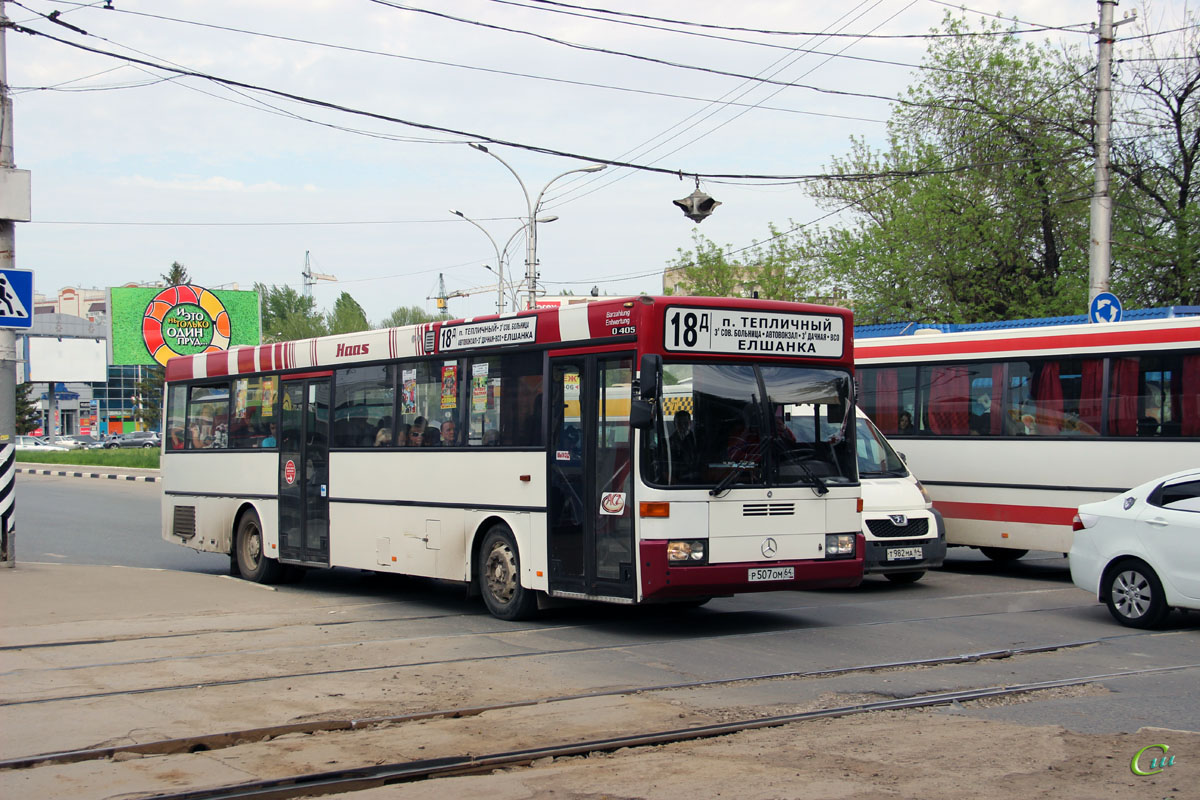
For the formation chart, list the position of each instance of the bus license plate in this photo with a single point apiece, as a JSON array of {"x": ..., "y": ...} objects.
[
  {"x": 903, "y": 553},
  {"x": 772, "y": 573}
]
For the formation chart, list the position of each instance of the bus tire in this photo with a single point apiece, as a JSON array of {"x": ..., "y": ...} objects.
[
  {"x": 252, "y": 563},
  {"x": 1002, "y": 555},
  {"x": 499, "y": 574},
  {"x": 1134, "y": 595},
  {"x": 904, "y": 577}
]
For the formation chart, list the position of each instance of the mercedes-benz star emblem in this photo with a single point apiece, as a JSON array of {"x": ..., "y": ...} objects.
[{"x": 769, "y": 548}]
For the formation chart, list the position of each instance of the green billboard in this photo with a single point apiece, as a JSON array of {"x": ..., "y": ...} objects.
[{"x": 152, "y": 325}]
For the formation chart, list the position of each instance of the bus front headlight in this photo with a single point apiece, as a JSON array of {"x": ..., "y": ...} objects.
[
  {"x": 839, "y": 544},
  {"x": 685, "y": 551}
]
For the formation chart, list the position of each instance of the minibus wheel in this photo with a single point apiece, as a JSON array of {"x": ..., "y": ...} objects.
[
  {"x": 499, "y": 573},
  {"x": 1002, "y": 555}
]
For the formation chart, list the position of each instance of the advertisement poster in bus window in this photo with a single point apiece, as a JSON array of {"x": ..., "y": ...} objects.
[
  {"x": 479, "y": 388},
  {"x": 449, "y": 386},
  {"x": 408, "y": 391},
  {"x": 268, "y": 397},
  {"x": 239, "y": 398}
]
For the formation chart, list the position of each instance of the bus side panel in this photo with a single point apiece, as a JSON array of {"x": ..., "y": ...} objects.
[
  {"x": 231, "y": 480},
  {"x": 418, "y": 513}
]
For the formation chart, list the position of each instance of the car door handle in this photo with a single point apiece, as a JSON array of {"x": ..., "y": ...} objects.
[{"x": 1159, "y": 521}]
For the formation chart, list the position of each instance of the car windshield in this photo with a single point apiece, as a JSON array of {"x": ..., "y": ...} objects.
[
  {"x": 726, "y": 425},
  {"x": 876, "y": 458}
]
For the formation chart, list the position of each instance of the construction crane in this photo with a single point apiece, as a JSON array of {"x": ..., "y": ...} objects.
[{"x": 443, "y": 296}]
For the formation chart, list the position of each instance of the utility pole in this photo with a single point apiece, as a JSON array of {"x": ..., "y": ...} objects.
[
  {"x": 1100, "y": 252},
  {"x": 8, "y": 337}
]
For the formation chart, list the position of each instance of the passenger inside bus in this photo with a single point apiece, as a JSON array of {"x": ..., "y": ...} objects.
[{"x": 448, "y": 433}]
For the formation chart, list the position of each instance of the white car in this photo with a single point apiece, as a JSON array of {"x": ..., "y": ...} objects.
[
  {"x": 1139, "y": 552},
  {"x": 39, "y": 444}
]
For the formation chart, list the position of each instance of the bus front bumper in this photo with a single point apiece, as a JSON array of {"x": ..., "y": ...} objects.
[{"x": 661, "y": 580}]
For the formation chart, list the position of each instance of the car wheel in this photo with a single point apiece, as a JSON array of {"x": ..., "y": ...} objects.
[
  {"x": 1002, "y": 555},
  {"x": 252, "y": 563},
  {"x": 147, "y": 445},
  {"x": 1134, "y": 595},
  {"x": 904, "y": 577},
  {"x": 499, "y": 573}
]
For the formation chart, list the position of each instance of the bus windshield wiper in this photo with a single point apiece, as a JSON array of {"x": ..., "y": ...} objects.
[
  {"x": 739, "y": 467},
  {"x": 819, "y": 487}
]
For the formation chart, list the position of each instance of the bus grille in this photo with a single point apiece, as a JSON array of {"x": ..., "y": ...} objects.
[
  {"x": 768, "y": 509},
  {"x": 884, "y": 528},
  {"x": 183, "y": 524}
]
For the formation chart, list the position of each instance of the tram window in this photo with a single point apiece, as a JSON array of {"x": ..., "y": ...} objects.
[{"x": 363, "y": 407}]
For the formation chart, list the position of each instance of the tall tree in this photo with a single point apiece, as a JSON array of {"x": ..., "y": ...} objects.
[
  {"x": 347, "y": 316},
  {"x": 406, "y": 315},
  {"x": 973, "y": 210},
  {"x": 28, "y": 417},
  {"x": 177, "y": 275},
  {"x": 288, "y": 315}
]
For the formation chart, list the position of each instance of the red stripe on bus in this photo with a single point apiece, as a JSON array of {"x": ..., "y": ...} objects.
[
  {"x": 245, "y": 359},
  {"x": 217, "y": 364},
  {"x": 933, "y": 346},
  {"x": 994, "y": 512}
]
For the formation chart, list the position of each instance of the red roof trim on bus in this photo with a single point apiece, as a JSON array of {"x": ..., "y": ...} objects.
[
  {"x": 296, "y": 376},
  {"x": 994, "y": 512},
  {"x": 245, "y": 359},
  {"x": 217, "y": 364},
  {"x": 936, "y": 345}
]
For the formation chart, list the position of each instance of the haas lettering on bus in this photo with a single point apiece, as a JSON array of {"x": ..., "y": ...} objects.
[{"x": 352, "y": 350}]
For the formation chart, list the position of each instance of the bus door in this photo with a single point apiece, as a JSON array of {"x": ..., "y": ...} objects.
[
  {"x": 590, "y": 471},
  {"x": 304, "y": 472}
]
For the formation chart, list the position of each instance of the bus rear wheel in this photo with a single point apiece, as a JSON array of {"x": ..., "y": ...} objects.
[
  {"x": 252, "y": 563},
  {"x": 499, "y": 573},
  {"x": 1002, "y": 555}
]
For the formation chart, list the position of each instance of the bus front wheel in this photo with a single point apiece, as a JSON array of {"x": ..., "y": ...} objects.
[
  {"x": 499, "y": 573},
  {"x": 252, "y": 563}
]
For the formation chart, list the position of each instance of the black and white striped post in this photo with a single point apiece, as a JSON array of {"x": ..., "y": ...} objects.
[{"x": 8, "y": 489}]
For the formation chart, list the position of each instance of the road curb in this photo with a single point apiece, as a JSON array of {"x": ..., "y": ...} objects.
[{"x": 66, "y": 473}]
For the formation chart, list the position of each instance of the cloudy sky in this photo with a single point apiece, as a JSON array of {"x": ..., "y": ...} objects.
[{"x": 135, "y": 167}]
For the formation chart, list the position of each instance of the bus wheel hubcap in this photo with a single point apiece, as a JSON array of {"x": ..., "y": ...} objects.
[{"x": 501, "y": 573}]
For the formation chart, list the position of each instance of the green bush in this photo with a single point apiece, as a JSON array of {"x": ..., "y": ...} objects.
[{"x": 140, "y": 458}]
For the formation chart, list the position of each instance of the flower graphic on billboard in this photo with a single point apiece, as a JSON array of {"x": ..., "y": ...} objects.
[{"x": 183, "y": 320}]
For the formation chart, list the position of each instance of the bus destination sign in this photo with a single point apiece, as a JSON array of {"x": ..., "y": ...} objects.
[
  {"x": 746, "y": 332},
  {"x": 515, "y": 330}
]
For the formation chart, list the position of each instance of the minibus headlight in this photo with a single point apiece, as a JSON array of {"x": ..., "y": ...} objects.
[
  {"x": 686, "y": 551},
  {"x": 839, "y": 544},
  {"x": 924, "y": 493}
]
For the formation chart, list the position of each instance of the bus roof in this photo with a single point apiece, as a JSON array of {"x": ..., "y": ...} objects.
[
  {"x": 910, "y": 328},
  {"x": 631, "y": 319}
]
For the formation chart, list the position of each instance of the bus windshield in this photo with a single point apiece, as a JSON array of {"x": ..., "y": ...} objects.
[
  {"x": 745, "y": 425},
  {"x": 876, "y": 458}
]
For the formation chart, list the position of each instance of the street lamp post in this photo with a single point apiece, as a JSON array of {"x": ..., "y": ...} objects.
[
  {"x": 531, "y": 208},
  {"x": 500, "y": 254}
]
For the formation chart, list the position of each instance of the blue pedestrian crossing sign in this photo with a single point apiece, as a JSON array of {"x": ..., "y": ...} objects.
[
  {"x": 16, "y": 298},
  {"x": 1105, "y": 307}
]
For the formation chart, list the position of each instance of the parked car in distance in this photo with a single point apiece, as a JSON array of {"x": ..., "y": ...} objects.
[
  {"x": 1139, "y": 552},
  {"x": 39, "y": 444},
  {"x": 134, "y": 439}
]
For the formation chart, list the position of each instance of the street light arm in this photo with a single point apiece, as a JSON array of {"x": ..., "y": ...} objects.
[
  {"x": 499, "y": 260},
  {"x": 508, "y": 167}
]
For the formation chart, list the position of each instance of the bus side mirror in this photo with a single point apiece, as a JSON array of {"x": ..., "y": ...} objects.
[
  {"x": 648, "y": 377},
  {"x": 641, "y": 415}
]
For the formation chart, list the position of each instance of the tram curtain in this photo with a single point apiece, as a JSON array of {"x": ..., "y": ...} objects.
[
  {"x": 1049, "y": 399},
  {"x": 1188, "y": 399},
  {"x": 887, "y": 400},
  {"x": 1123, "y": 397},
  {"x": 949, "y": 396},
  {"x": 1091, "y": 393}
]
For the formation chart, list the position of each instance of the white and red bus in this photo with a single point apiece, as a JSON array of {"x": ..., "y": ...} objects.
[
  {"x": 1011, "y": 426},
  {"x": 634, "y": 450}
]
